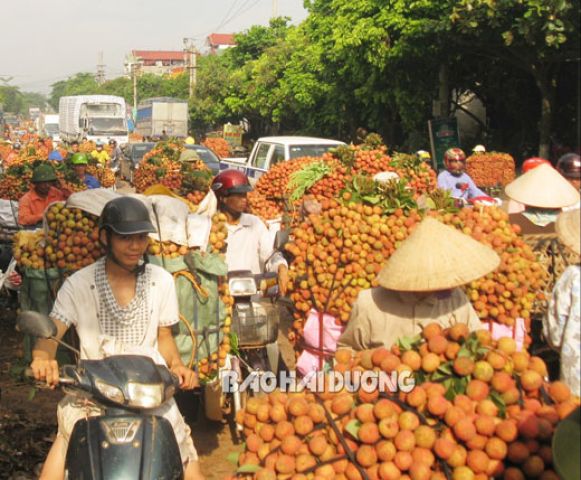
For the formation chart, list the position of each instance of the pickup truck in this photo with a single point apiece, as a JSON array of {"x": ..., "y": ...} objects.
[{"x": 269, "y": 151}]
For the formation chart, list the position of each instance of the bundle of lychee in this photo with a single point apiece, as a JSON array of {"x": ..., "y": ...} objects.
[
  {"x": 12, "y": 187},
  {"x": 28, "y": 249},
  {"x": 70, "y": 243},
  {"x": 479, "y": 409},
  {"x": 274, "y": 183},
  {"x": 218, "y": 234},
  {"x": 340, "y": 252},
  {"x": 218, "y": 145},
  {"x": 157, "y": 171},
  {"x": 196, "y": 181},
  {"x": 105, "y": 175},
  {"x": 166, "y": 249},
  {"x": 262, "y": 207},
  {"x": 72, "y": 238},
  {"x": 209, "y": 366},
  {"x": 513, "y": 288},
  {"x": 490, "y": 169},
  {"x": 30, "y": 153},
  {"x": 159, "y": 165}
]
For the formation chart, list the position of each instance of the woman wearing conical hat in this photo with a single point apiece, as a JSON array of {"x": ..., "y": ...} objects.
[
  {"x": 544, "y": 192},
  {"x": 419, "y": 284},
  {"x": 562, "y": 324}
]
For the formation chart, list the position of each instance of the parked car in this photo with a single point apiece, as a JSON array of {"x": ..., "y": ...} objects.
[
  {"x": 132, "y": 155},
  {"x": 269, "y": 151},
  {"x": 207, "y": 156}
]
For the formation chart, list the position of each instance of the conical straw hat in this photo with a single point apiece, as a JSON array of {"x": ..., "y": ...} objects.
[
  {"x": 543, "y": 187},
  {"x": 568, "y": 228},
  {"x": 436, "y": 257}
]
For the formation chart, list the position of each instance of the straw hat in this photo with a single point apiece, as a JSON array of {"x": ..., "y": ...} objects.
[
  {"x": 568, "y": 228},
  {"x": 543, "y": 187},
  {"x": 436, "y": 257}
]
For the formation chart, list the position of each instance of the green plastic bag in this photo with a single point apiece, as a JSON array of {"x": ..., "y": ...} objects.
[
  {"x": 202, "y": 311},
  {"x": 38, "y": 292}
]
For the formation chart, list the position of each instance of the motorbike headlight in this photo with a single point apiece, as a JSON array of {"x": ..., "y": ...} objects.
[
  {"x": 109, "y": 391},
  {"x": 242, "y": 286},
  {"x": 145, "y": 395}
]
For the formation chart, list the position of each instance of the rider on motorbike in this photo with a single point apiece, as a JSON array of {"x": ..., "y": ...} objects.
[
  {"x": 120, "y": 304},
  {"x": 250, "y": 245}
]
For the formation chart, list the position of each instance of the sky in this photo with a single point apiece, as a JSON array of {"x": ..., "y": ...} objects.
[{"x": 44, "y": 41}]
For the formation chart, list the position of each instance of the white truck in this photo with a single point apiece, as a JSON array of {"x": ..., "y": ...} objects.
[
  {"x": 268, "y": 151},
  {"x": 161, "y": 116},
  {"x": 97, "y": 118},
  {"x": 48, "y": 124}
]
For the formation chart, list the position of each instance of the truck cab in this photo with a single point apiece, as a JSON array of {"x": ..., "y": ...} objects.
[{"x": 269, "y": 151}]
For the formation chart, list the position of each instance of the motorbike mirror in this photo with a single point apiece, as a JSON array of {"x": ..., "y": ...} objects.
[
  {"x": 281, "y": 239},
  {"x": 35, "y": 324}
]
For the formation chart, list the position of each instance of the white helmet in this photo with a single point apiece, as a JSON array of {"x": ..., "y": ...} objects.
[
  {"x": 479, "y": 149},
  {"x": 385, "y": 177},
  {"x": 423, "y": 155}
]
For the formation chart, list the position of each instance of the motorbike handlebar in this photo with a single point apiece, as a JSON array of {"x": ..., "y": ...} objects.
[{"x": 63, "y": 380}]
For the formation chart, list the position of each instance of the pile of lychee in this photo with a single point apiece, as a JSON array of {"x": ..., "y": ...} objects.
[
  {"x": 489, "y": 413},
  {"x": 72, "y": 238},
  {"x": 516, "y": 286}
]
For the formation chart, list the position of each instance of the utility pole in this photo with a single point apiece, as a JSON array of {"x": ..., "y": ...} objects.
[
  {"x": 274, "y": 8},
  {"x": 134, "y": 65},
  {"x": 134, "y": 69},
  {"x": 191, "y": 53},
  {"x": 100, "y": 77}
]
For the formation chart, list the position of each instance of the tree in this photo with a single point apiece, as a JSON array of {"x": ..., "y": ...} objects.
[
  {"x": 11, "y": 99},
  {"x": 539, "y": 37},
  {"x": 79, "y": 84}
]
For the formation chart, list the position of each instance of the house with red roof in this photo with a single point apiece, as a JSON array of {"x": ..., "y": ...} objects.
[
  {"x": 158, "y": 62},
  {"x": 218, "y": 42}
]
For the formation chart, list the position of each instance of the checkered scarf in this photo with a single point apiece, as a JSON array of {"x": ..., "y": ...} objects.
[{"x": 126, "y": 324}]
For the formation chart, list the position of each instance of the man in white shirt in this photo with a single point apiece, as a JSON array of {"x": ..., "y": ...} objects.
[{"x": 250, "y": 245}]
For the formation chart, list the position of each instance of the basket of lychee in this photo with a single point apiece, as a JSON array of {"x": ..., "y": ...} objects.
[{"x": 479, "y": 409}]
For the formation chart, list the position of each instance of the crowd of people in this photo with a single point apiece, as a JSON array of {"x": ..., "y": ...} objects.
[{"x": 124, "y": 300}]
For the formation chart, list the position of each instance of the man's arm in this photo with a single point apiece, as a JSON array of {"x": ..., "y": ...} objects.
[
  {"x": 473, "y": 190},
  {"x": 169, "y": 351},
  {"x": 44, "y": 366}
]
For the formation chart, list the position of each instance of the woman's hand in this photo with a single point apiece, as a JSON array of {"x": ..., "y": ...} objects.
[
  {"x": 15, "y": 279},
  {"x": 45, "y": 370},
  {"x": 188, "y": 378}
]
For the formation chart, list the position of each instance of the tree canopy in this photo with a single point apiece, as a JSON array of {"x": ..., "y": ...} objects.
[{"x": 384, "y": 65}]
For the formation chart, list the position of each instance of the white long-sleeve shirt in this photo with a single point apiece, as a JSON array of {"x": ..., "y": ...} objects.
[
  {"x": 561, "y": 325},
  {"x": 250, "y": 247}
]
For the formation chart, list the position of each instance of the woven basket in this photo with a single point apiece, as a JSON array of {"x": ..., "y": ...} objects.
[{"x": 554, "y": 258}]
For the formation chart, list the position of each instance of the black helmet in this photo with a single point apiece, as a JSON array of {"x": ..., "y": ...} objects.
[
  {"x": 126, "y": 216},
  {"x": 569, "y": 165}
]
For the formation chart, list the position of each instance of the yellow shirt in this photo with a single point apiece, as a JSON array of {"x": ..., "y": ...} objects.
[
  {"x": 102, "y": 157},
  {"x": 380, "y": 316}
]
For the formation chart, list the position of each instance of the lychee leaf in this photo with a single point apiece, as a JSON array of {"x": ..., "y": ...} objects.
[
  {"x": 464, "y": 352},
  {"x": 445, "y": 368},
  {"x": 499, "y": 402},
  {"x": 353, "y": 428}
]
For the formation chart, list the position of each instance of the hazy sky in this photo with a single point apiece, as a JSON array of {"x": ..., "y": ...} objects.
[{"x": 44, "y": 41}]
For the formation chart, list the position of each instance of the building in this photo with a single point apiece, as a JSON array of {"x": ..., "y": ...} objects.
[
  {"x": 218, "y": 42},
  {"x": 157, "y": 62}
]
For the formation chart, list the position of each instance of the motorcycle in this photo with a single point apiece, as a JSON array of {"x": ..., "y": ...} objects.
[
  {"x": 125, "y": 440},
  {"x": 255, "y": 322}
]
